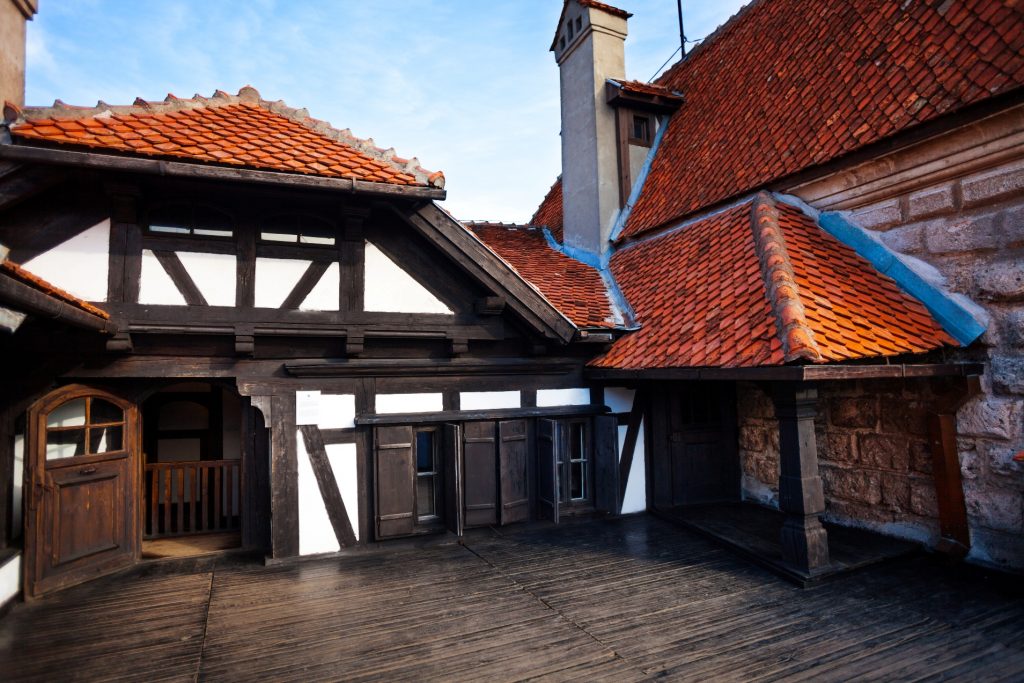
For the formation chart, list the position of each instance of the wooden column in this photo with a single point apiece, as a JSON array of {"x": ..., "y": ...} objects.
[
  {"x": 804, "y": 539},
  {"x": 284, "y": 478}
]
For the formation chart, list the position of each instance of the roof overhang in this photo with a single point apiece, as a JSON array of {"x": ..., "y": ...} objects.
[
  {"x": 181, "y": 169},
  {"x": 658, "y": 103}
]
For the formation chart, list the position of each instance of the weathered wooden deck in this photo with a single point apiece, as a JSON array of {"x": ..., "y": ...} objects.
[{"x": 632, "y": 599}]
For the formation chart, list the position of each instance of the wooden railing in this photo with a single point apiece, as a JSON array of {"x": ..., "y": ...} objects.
[{"x": 192, "y": 497}]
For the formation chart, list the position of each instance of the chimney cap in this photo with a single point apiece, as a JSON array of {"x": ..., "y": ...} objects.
[{"x": 589, "y": 4}]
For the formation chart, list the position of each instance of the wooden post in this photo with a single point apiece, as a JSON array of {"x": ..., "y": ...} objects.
[{"x": 804, "y": 539}]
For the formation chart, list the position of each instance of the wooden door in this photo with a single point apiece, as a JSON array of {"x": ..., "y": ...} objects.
[
  {"x": 513, "y": 463},
  {"x": 453, "y": 465},
  {"x": 702, "y": 445},
  {"x": 548, "y": 447},
  {"x": 396, "y": 481},
  {"x": 83, "y": 472},
  {"x": 480, "y": 466}
]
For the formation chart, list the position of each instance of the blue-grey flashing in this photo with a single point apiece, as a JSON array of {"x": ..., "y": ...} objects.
[
  {"x": 638, "y": 185},
  {"x": 957, "y": 319}
]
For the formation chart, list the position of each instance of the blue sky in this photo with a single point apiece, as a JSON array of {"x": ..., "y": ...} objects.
[{"x": 467, "y": 86}]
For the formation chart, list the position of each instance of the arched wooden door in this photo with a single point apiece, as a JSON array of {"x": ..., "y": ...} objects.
[{"x": 82, "y": 471}]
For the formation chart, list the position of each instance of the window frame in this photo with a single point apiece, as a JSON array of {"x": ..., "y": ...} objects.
[
  {"x": 437, "y": 518},
  {"x": 636, "y": 116}
]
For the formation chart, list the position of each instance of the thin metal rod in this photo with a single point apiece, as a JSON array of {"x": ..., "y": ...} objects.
[{"x": 682, "y": 34}]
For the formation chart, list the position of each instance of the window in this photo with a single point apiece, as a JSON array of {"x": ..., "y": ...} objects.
[
  {"x": 579, "y": 24},
  {"x": 574, "y": 464},
  {"x": 561, "y": 43},
  {"x": 571, "y": 33},
  {"x": 298, "y": 229},
  {"x": 180, "y": 219},
  {"x": 640, "y": 132},
  {"x": 84, "y": 426},
  {"x": 427, "y": 478}
]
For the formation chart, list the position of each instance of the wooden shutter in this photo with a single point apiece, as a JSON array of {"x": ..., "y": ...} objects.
[
  {"x": 513, "y": 467},
  {"x": 549, "y": 444},
  {"x": 452, "y": 454},
  {"x": 606, "y": 464},
  {"x": 479, "y": 456},
  {"x": 396, "y": 481}
]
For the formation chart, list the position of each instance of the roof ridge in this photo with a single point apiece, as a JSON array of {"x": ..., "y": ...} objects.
[
  {"x": 247, "y": 95},
  {"x": 797, "y": 337}
]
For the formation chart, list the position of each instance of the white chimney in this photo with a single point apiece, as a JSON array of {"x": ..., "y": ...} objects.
[{"x": 589, "y": 47}]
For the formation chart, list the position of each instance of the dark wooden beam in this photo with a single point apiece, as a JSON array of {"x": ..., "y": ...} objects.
[
  {"x": 801, "y": 497},
  {"x": 175, "y": 269},
  {"x": 636, "y": 416},
  {"x": 387, "y": 367},
  {"x": 305, "y": 285},
  {"x": 199, "y": 170},
  {"x": 284, "y": 478},
  {"x": 333, "y": 502},
  {"x": 35, "y": 303},
  {"x": 466, "y": 415}
]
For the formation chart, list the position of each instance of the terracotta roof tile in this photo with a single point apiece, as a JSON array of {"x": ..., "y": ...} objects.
[
  {"x": 241, "y": 130},
  {"x": 15, "y": 271},
  {"x": 760, "y": 284},
  {"x": 549, "y": 213},
  {"x": 788, "y": 84},
  {"x": 574, "y": 288}
]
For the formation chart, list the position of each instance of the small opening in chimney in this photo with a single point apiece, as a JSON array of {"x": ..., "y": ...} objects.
[
  {"x": 579, "y": 24},
  {"x": 570, "y": 29},
  {"x": 561, "y": 43},
  {"x": 640, "y": 134}
]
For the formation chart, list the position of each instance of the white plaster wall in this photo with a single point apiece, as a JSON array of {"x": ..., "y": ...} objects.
[
  {"x": 325, "y": 295},
  {"x": 155, "y": 285},
  {"x": 389, "y": 289},
  {"x": 17, "y": 484},
  {"x": 487, "y": 400},
  {"x": 635, "y": 499},
  {"x": 78, "y": 265},
  {"x": 214, "y": 274},
  {"x": 408, "y": 403},
  {"x": 275, "y": 279},
  {"x": 316, "y": 534},
  {"x": 337, "y": 411},
  {"x": 10, "y": 579},
  {"x": 342, "y": 457},
  {"x": 549, "y": 398}
]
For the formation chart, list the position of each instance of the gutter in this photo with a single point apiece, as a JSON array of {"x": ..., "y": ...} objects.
[{"x": 179, "y": 169}]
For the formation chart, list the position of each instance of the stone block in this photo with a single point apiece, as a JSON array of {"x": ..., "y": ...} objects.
[
  {"x": 900, "y": 416},
  {"x": 931, "y": 202},
  {"x": 1008, "y": 374},
  {"x": 751, "y": 402},
  {"x": 1011, "y": 325},
  {"x": 956, "y": 234},
  {"x": 989, "y": 416},
  {"x": 879, "y": 216},
  {"x": 752, "y": 437},
  {"x": 995, "y": 508},
  {"x": 1001, "y": 281},
  {"x": 920, "y": 456},
  {"x": 896, "y": 491},
  {"x": 970, "y": 464},
  {"x": 853, "y": 412},
  {"x": 997, "y": 183},
  {"x": 853, "y": 485},
  {"x": 836, "y": 446},
  {"x": 884, "y": 451},
  {"x": 841, "y": 510},
  {"x": 923, "y": 500},
  {"x": 1000, "y": 462},
  {"x": 907, "y": 239}
]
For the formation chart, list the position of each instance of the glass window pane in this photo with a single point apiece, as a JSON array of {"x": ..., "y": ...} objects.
[
  {"x": 278, "y": 237},
  {"x": 104, "y": 411},
  {"x": 424, "y": 451},
  {"x": 169, "y": 229},
  {"x": 70, "y": 414},
  {"x": 576, "y": 441},
  {"x": 314, "y": 239},
  {"x": 210, "y": 232},
  {"x": 211, "y": 221},
  {"x": 105, "y": 439},
  {"x": 65, "y": 444},
  {"x": 425, "y": 496},
  {"x": 576, "y": 487}
]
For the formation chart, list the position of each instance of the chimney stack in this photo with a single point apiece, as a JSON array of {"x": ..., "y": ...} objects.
[
  {"x": 589, "y": 47},
  {"x": 13, "y": 15}
]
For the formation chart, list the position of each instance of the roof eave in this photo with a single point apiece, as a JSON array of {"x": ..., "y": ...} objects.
[{"x": 184, "y": 169}]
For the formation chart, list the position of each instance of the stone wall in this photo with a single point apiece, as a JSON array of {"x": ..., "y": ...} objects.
[{"x": 876, "y": 469}]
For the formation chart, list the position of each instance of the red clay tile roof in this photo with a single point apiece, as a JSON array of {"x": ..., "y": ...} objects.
[
  {"x": 574, "y": 288},
  {"x": 549, "y": 213},
  {"x": 789, "y": 84},
  {"x": 241, "y": 130},
  {"x": 18, "y": 273},
  {"x": 717, "y": 292},
  {"x": 647, "y": 89}
]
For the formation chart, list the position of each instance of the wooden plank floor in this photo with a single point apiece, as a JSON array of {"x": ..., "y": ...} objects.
[{"x": 632, "y": 599}]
